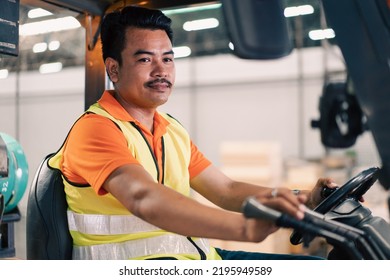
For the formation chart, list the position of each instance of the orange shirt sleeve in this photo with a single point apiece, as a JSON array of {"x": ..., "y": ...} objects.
[
  {"x": 198, "y": 161},
  {"x": 94, "y": 149}
]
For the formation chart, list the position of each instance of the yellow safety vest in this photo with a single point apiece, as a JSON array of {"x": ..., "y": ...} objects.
[{"x": 102, "y": 228}]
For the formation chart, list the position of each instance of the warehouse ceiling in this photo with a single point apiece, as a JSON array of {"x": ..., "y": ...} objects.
[{"x": 67, "y": 47}]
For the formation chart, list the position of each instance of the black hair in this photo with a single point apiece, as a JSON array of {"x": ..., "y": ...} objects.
[{"x": 114, "y": 25}]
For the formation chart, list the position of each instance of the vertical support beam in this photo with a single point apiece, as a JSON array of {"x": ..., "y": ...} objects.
[
  {"x": 366, "y": 50},
  {"x": 301, "y": 87},
  {"x": 95, "y": 74}
]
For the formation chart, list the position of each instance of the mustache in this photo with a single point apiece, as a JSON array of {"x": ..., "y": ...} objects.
[{"x": 159, "y": 80}]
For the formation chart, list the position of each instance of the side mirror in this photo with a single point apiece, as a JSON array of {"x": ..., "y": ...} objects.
[{"x": 257, "y": 28}]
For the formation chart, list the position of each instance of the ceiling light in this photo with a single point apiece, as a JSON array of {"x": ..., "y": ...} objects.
[
  {"x": 36, "y": 13},
  {"x": 192, "y": 9},
  {"x": 200, "y": 24},
  {"x": 183, "y": 51},
  {"x": 47, "y": 26},
  {"x": 50, "y": 68},
  {"x": 54, "y": 45},
  {"x": 39, "y": 47},
  {"x": 321, "y": 34},
  {"x": 298, "y": 10},
  {"x": 3, "y": 73}
]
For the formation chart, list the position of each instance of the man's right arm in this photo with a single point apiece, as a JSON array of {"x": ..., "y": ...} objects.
[{"x": 174, "y": 212}]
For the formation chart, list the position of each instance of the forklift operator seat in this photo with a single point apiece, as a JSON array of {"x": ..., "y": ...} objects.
[{"x": 48, "y": 236}]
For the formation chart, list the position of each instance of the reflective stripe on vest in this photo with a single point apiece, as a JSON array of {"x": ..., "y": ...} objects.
[
  {"x": 168, "y": 244},
  {"x": 107, "y": 224}
]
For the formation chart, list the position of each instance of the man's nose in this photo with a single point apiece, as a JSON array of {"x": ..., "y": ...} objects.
[{"x": 160, "y": 70}]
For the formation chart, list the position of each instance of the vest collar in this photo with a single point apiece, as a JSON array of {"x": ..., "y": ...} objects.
[{"x": 113, "y": 107}]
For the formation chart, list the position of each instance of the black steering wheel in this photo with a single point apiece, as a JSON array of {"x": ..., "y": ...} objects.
[{"x": 354, "y": 189}]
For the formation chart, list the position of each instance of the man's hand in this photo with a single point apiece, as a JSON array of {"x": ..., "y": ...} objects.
[
  {"x": 314, "y": 196},
  {"x": 283, "y": 200}
]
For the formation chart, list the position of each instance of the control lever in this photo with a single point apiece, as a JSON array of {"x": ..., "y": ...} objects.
[
  {"x": 325, "y": 192},
  {"x": 358, "y": 236},
  {"x": 252, "y": 208}
]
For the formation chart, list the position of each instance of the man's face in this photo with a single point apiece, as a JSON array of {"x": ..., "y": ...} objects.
[{"x": 147, "y": 74}]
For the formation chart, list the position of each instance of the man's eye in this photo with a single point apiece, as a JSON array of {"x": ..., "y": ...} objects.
[
  {"x": 144, "y": 59},
  {"x": 168, "y": 59}
]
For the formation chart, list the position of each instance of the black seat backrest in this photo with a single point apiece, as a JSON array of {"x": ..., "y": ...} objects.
[{"x": 48, "y": 236}]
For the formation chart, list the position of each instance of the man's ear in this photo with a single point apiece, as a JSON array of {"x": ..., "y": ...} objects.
[{"x": 112, "y": 68}]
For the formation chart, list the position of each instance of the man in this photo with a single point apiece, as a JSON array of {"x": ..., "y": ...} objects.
[{"x": 128, "y": 169}]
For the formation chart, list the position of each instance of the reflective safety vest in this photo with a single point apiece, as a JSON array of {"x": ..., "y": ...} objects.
[{"x": 102, "y": 228}]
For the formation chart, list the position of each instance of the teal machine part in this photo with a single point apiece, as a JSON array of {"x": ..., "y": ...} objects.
[{"x": 13, "y": 172}]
